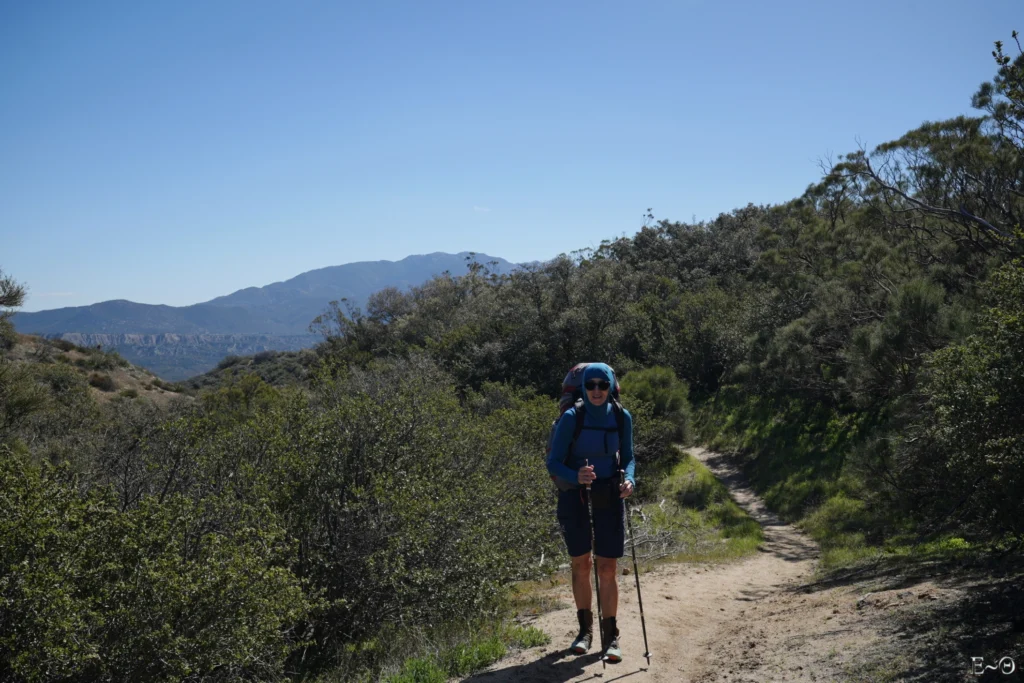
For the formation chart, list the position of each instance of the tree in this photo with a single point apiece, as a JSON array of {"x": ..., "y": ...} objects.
[{"x": 12, "y": 295}]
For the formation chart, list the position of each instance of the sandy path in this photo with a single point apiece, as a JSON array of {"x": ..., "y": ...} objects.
[{"x": 699, "y": 617}]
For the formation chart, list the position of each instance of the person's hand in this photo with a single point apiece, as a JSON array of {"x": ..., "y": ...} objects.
[
  {"x": 585, "y": 475},
  {"x": 625, "y": 489}
]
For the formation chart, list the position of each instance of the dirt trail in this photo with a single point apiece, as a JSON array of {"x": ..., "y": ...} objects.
[{"x": 704, "y": 622}]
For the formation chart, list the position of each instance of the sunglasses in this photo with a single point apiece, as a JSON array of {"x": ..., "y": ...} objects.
[{"x": 597, "y": 384}]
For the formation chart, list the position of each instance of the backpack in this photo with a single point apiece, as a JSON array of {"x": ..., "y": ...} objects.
[{"x": 572, "y": 397}]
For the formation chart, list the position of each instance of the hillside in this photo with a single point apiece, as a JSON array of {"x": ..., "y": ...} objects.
[
  {"x": 276, "y": 368},
  {"x": 180, "y": 342},
  {"x": 176, "y": 357},
  {"x": 108, "y": 374}
]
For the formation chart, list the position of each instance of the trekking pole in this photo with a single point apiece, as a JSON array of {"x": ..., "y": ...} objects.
[
  {"x": 636, "y": 572},
  {"x": 593, "y": 561}
]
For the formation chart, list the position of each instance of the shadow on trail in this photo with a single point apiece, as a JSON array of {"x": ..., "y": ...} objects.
[
  {"x": 986, "y": 620},
  {"x": 558, "y": 667}
]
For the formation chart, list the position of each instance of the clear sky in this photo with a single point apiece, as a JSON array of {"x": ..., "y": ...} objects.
[{"x": 169, "y": 152}]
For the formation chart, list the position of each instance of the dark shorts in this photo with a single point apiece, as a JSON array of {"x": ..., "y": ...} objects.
[{"x": 609, "y": 520}]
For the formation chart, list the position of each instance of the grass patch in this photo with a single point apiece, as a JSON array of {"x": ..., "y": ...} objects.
[
  {"x": 798, "y": 459},
  {"x": 464, "y": 658},
  {"x": 533, "y": 598},
  {"x": 432, "y": 657},
  {"x": 695, "y": 519},
  {"x": 799, "y": 450}
]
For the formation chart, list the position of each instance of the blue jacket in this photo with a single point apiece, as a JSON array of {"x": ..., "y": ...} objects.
[{"x": 597, "y": 447}]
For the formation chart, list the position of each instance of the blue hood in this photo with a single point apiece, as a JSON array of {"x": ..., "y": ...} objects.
[{"x": 598, "y": 371}]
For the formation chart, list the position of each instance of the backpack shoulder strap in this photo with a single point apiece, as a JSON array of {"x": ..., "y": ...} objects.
[
  {"x": 577, "y": 428},
  {"x": 620, "y": 417},
  {"x": 581, "y": 412},
  {"x": 620, "y": 420}
]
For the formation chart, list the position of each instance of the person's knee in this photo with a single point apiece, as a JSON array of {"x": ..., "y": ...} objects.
[
  {"x": 581, "y": 562},
  {"x": 606, "y": 566}
]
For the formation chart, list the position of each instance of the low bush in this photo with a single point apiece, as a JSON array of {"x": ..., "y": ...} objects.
[
  {"x": 417, "y": 511},
  {"x": 692, "y": 518},
  {"x": 62, "y": 344},
  {"x": 102, "y": 381},
  {"x": 228, "y": 361},
  {"x": 168, "y": 590},
  {"x": 167, "y": 386},
  {"x": 99, "y": 360},
  {"x": 8, "y": 336},
  {"x": 264, "y": 357},
  {"x": 667, "y": 394}
]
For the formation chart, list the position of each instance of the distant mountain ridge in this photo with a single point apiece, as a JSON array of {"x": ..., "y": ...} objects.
[
  {"x": 181, "y": 341},
  {"x": 281, "y": 308}
]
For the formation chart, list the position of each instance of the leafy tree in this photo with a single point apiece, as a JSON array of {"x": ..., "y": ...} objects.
[
  {"x": 667, "y": 395},
  {"x": 962, "y": 460},
  {"x": 12, "y": 295}
]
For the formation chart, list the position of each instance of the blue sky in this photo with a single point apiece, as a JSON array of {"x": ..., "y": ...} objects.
[{"x": 170, "y": 152}]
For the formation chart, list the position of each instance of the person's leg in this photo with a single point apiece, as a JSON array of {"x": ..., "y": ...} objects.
[
  {"x": 582, "y": 591},
  {"x": 606, "y": 569},
  {"x": 609, "y": 540},
  {"x": 574, "y": 520}
]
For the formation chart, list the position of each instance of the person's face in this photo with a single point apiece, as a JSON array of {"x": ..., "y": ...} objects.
[{"x": 597, "y": 391}]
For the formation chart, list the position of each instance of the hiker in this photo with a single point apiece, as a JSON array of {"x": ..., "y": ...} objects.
[{"x": 592, "y": 460}]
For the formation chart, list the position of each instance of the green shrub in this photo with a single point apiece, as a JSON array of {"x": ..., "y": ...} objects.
[
  {"x": 167, "y": 386},
  {"x": 961, "y": 460},
  {"x": 700, "y": 518},
  {"x": 693, "y": 486},
  {"x": 264, "y": 357},
  {"x": 99, "y": 360},
  {"x": 20, "y": 396},
  {"x": 102, "y": 381},
  {"x": 413, "y": 510},
  {"x": 129, "y": 393},
  {"x": 667, "y": 394},
  {"x": 171, "y": 590},
  {"x": 228, "y": 361},
  {"x": 63, "y": 344},
  {"x": 420, "y": 670},
  {"x": 8, "y": 336},
  {"x": 836, "y": 516}
]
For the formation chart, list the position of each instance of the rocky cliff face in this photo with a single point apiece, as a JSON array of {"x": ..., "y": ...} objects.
[{"x": 175, "y": 357}]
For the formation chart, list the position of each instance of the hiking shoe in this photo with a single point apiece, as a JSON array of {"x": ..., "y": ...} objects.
[
  {"x": 583, "y": 641},
  {"x": 612, "y": 652}
]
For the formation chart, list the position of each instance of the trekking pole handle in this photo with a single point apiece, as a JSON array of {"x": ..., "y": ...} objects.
[{"x": 622, "y": 479}]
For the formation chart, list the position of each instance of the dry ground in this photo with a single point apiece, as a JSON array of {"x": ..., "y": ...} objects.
[{"x": 766, "y": 618}]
